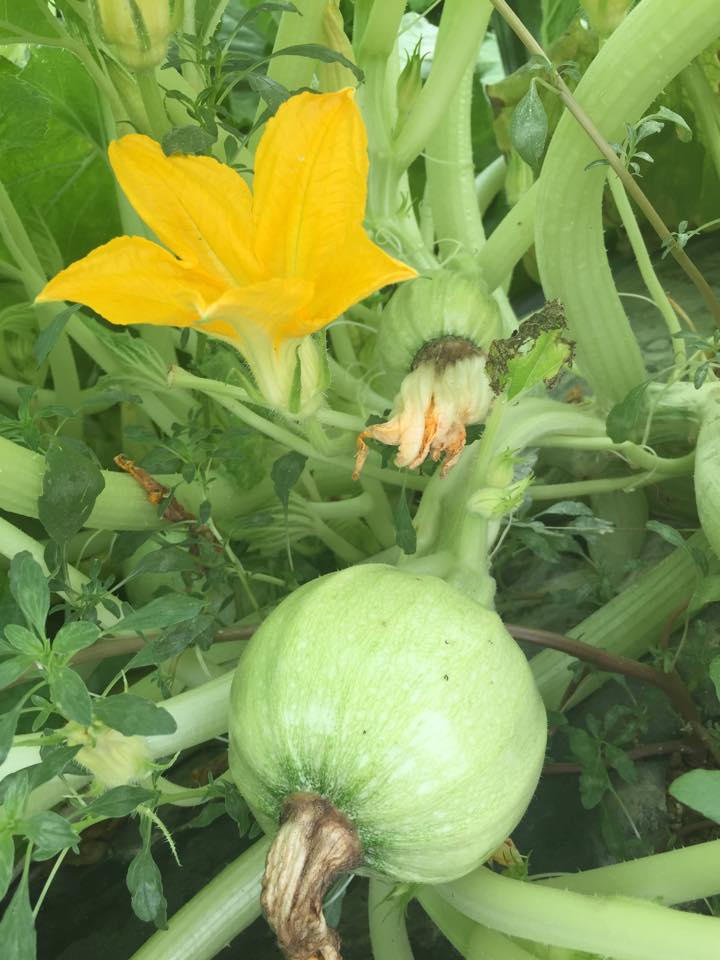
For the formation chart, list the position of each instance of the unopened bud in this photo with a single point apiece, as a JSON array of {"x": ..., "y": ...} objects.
[
  {"x": 138, "y": 31},
  {"x": 335, "y": 76},
  {"x": 409, "y": 85},
  {"x": 111, "y": 757}
]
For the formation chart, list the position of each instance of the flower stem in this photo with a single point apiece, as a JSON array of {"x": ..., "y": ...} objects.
[
  {"x": 509, "y": 240},
  {"x": 388, "y": 934},
  {"x": 152, "y": 99},
  {"x": 219, "y": 912},
  {"x": 645, "y": 266},
  {"x": 705, "y": 106},
  {"x": 623, "y": 928}
]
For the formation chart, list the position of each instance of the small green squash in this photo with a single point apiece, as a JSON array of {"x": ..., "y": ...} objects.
[{"x": 404, "y": 704}]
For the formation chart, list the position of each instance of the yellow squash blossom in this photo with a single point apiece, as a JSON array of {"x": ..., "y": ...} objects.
[{"x": 261, "y": 270}]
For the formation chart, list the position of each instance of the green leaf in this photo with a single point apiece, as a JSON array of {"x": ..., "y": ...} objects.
[
  {"x": 50, "y": 831},
  {"x": 285, "y": 473},
  {"x": 209, "y": 814},
  {"x": 529, "y": 127},
  {"x": 620, "y": 761},
  {"x": 543, "y": 361},
  {"x": 133, "y": 715},
  {"x": 70, "y": 695},
  {"x": 316, "y": 51},
  {"x": 237, "y": 808},
  {"x": 273, "y": 93},
  {"x": 29, "y": 586},
  {"x": 199, "y": 630},
  {"x": 714, "y": 672},
  {"x": 668, "y": 533},
  {"x": 191, "y": 140},
  {"x": 161, "y": 612},
  {"x": 557, "y": 15},
  {"x": 145, "y": 885},
  {"x": 627, "y": 418},
  {"x": 17, "y": 927},
  {"x": 699, "y": 789},
  {"x": 8, "y": 725},
  {"x": 7, "y": 861},
  {"x": 21, "y": 20},
  {"x": 405, "y": 535},
  {"x": 12, "y": 669},
  {"x": 14, "y": 791},
  {"x": 75, "y": 636},
  {"x": 54, "y": 760},
  {"x": 51, "y": 334},
  {"x": 23, "y": 640},
  {"x": 118, "y": 802},
  {"x": 71, "y": 485}
]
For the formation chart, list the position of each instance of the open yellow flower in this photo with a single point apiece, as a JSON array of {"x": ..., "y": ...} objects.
[{"x": 260, "y": 270}]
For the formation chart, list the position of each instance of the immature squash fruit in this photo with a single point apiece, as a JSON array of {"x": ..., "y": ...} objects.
[{"x": 390, "y": 724}]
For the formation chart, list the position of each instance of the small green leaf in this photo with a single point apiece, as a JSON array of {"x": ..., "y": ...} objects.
[
  {"x": 14, "y": 791},
  {"x": 75, "y": 636},
  {"x": 23, "y": 640},
  {"x": 273, "y": 93},
  {"x": 7, "y": 861},
  {"x": 72, "y": 483},
  {"x": 285, "y": 473},
  {"x": 529, "y": 128},
  {"x": 191, "y": 140},
  {"x": 161, "y": 612},
  {"x": 405, "y": 534},
  {"x": 29, "y": 587},
  {"x": 237, "y": 808},
  {"x": 70, "y": 695},
  {"x": 209, "y": 814},
  {"x": 12, "y": 669},
  {"x": 627, "y": 418},
  {"x": 668, "y": 533},
  {"x": 133, "y": 715},
  {"x": 8, "y": 725},
  {"x": 118, "y": 802},
  {"x": 54, "y": 760},
  {"x": 620, "y": 761},
  {"x": 144, "y": 882},
  {"x": 51, "y": 334},
  {"x": 316, "y": 51},
  {"x": 699, "y": 789},
  {"x": 17, "y": 927},
  {"x": 50, "y": 831},
  {"x": 543, "y": 362}
]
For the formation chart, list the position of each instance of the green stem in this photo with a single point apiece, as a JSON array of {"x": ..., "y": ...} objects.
[
  {"x": 654, "y": 287},
  {"x": 489, "y": 182},
  {"x": 388, "y": 935},
  {"x": 706, "y": 108},
  {"x": 152, "y": 99},
  {"x": 622, "y": 928},
  {"x": 678, "y": 876},
  {"x": 586, "y": 488},
  {"x": 569, "y": 235},
  {"x": 629, "y": 624},
  {"x": 509, "y": 241},
  {"x": 455, "y": 926},
  {"x": 216, "y": 915},
  {"x": 342, "y": 345},
  {"x": 462, "y": 29},
  {"x": 451, "y": 179}
]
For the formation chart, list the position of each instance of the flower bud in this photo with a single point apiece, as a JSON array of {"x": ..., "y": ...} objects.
[
  {"x": 111, "y": 757},
  {"x": 138, "y": 31},
  {"x": 492, "y": 503},
  {"x": 334, "y": 76},
  {"x": 409, "y": 85}
]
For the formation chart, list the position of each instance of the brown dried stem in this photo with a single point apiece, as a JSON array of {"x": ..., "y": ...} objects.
[{"x": 314, "y": 845}]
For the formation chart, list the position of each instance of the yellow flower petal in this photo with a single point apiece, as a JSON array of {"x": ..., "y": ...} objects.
[
  {"x": 355, "y": 271},
  {"x": 310, "y": 183},
  {"x": 199, "y": 208},
  {"x": 278, "y": 309},
  {"x": 131, "y": 280}
]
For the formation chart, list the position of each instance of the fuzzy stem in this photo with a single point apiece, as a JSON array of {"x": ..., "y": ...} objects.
[
  {"x": 512, "y": 237},
  {"x": 388, "y": 934},
  {"x": 622, "y": 928},
  {"x": 213, "y": 917},
  {"x": 314, "y": 845},
  {"x": 654, "y": 287},
  {"x": 678, "y": 876}
]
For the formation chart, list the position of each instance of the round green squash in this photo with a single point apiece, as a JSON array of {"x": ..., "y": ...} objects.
[{"x": 403, "y": 703}]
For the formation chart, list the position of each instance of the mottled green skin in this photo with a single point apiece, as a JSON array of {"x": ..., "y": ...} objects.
[{"x": 403, "y": 702}]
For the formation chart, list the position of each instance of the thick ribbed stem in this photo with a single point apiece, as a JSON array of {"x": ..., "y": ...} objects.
[{"x": 314, "y": 845}]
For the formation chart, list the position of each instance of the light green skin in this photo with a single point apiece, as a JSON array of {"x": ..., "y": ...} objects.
[{"x": 405, "y": 704}]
